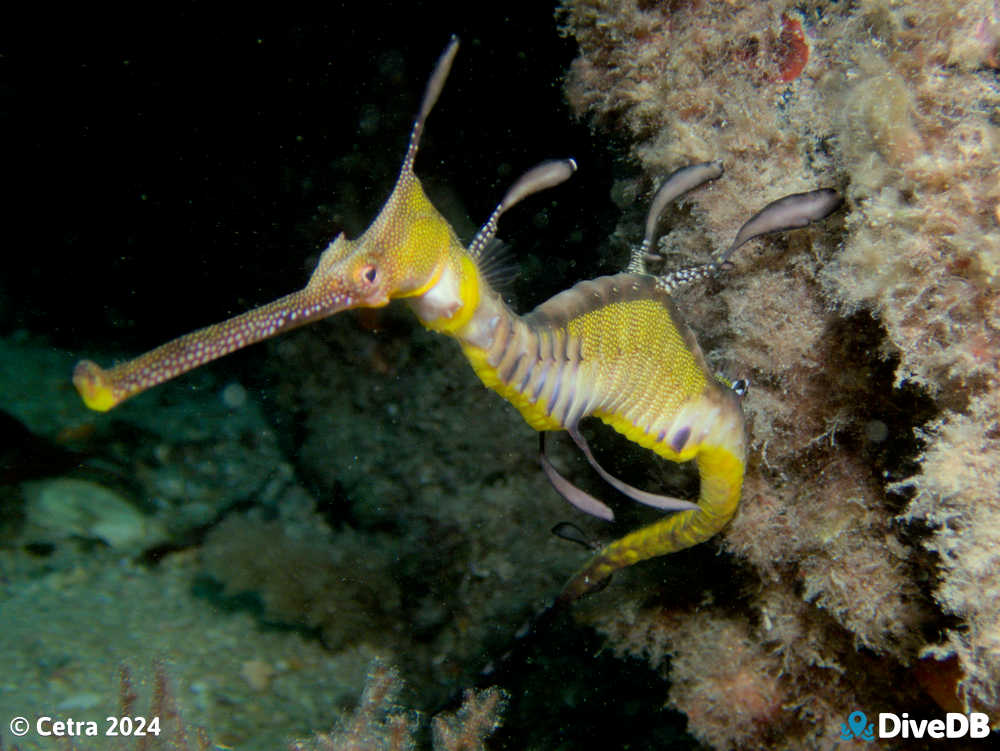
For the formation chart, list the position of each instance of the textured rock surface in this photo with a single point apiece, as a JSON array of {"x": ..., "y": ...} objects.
[{"x": 853, "y": 336}]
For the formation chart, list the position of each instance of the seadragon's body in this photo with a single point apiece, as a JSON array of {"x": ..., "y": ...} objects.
[{"x": 613, "y": 348}]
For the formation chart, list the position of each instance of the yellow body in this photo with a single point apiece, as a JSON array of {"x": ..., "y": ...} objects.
[
  {"x": 613, "y": 348},
  {"x": 631, "y": 363}
]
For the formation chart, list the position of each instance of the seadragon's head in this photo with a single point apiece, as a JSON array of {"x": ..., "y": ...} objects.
[{"x": 401, "y": 254}]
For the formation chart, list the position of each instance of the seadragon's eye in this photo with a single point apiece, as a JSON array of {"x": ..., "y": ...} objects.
[
  {"x": 369, "y": 274},
  {"x": 741, "y": 386}
]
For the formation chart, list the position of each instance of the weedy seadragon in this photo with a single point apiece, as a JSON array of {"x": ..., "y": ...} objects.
[{"x": 614, "y": 348}]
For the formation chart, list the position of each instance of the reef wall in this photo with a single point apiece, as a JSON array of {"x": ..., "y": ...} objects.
[{"x": 870, "y": 526}]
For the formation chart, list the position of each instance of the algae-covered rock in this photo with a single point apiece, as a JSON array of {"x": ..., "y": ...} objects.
[
  {"x": 62, "y": 508},
  {"x": 859, "y": 551}
]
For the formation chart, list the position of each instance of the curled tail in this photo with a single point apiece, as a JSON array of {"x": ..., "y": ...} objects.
[{"x": 721, "y": 470}]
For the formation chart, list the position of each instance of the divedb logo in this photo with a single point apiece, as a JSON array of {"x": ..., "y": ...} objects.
[
  {"x": 891, "y": 725},
  {"x": 954, "y": 725}
]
